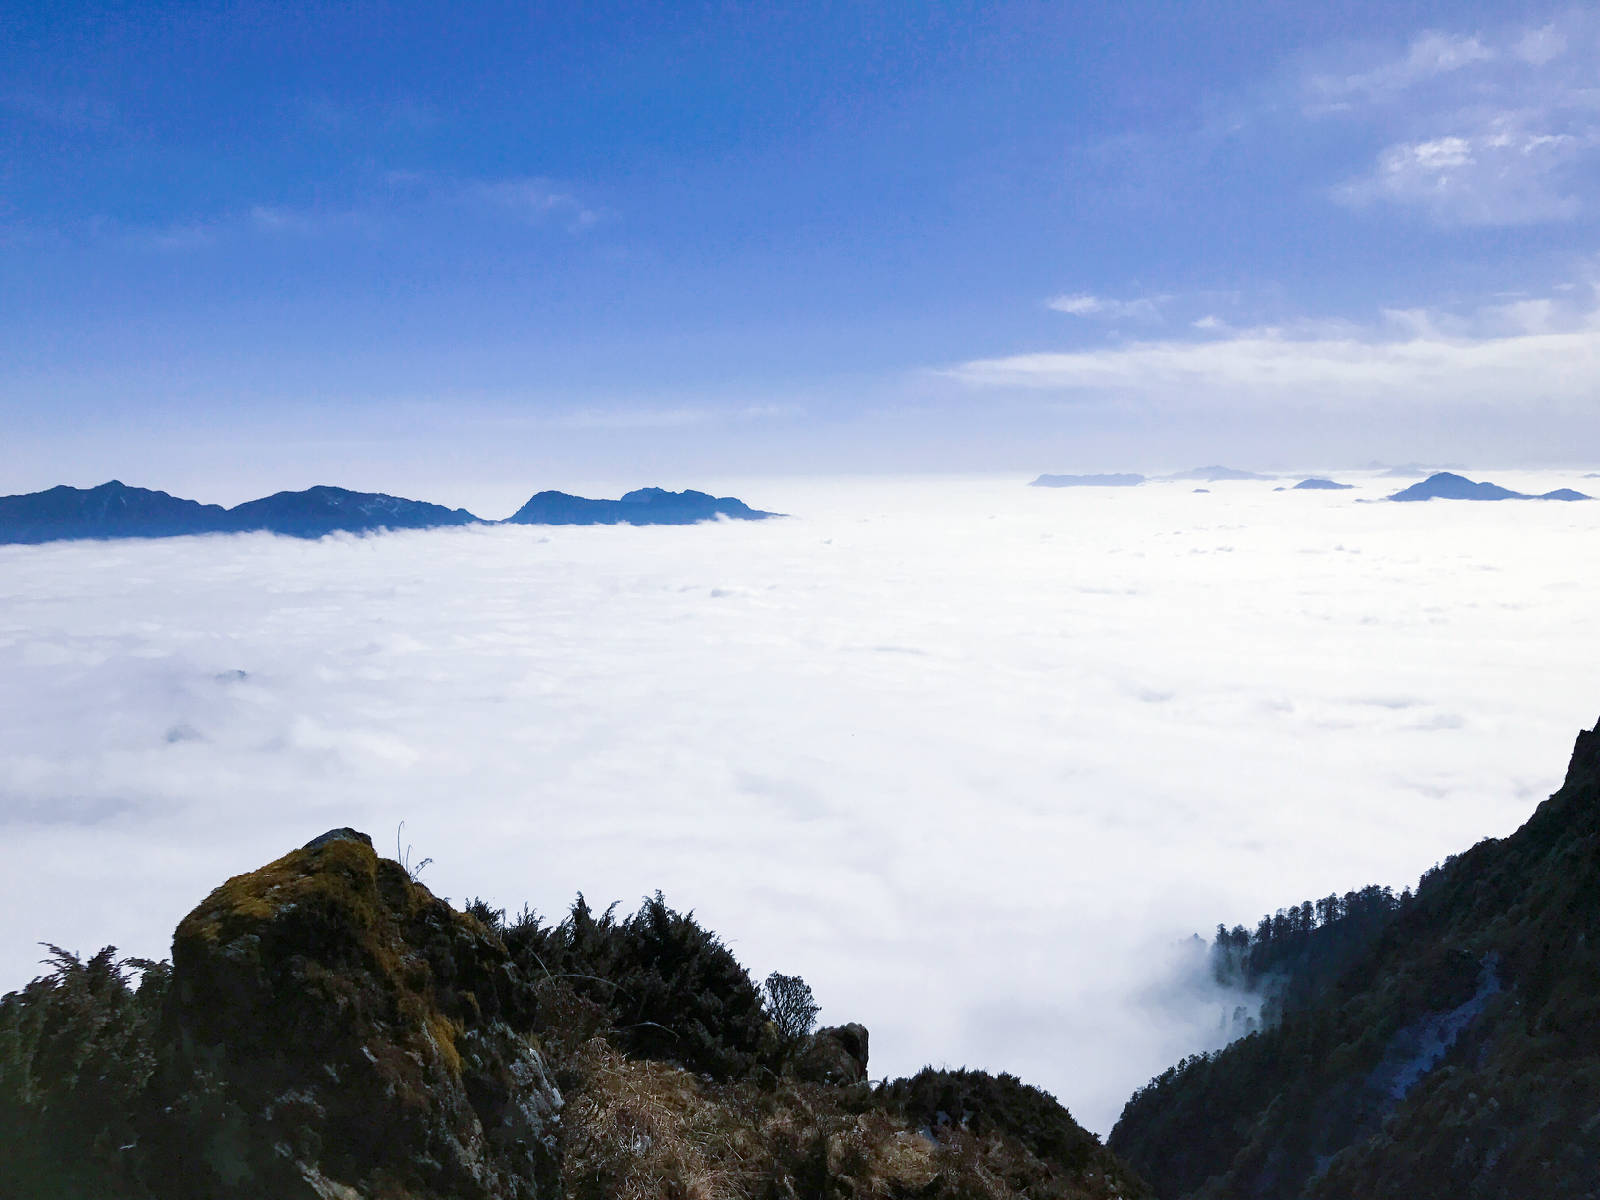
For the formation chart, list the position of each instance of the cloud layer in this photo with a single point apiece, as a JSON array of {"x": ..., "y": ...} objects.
[{"x": 971, "y": 757}]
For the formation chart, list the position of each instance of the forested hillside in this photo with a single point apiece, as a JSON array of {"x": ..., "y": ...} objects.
[{"x": 1443, "y": 1044}]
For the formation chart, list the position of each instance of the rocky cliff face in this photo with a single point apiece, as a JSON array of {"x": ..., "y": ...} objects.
[{"x": 362, "y": 1036}]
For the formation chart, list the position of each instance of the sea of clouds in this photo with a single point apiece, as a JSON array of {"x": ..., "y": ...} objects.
[{"x": 973, "y": 758}]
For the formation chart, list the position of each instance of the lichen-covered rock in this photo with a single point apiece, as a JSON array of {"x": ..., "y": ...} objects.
[{"x": 360, "y": 1038}]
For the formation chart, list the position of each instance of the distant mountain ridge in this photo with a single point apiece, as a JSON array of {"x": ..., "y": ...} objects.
[
  {"x": 643, "y": 506},
  {"x": 1216, "y": 474},
  {"x": 322, "y": 510},
  {"x": 1448, "y": 486},
  {"x": 1063, "y": 481},
  {"x": 115, "y": 510},
  {"x": 1212, "y": 474},
  {"x": 111, "y": 510}
]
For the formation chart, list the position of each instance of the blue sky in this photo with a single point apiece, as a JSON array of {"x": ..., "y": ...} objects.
[{"x": 252, "y": 245}]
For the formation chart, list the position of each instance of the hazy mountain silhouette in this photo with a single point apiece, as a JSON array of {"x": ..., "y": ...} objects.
[
  {"x": 1411, "y": 470},
  {"x": 1064, "y": 481},
  {"x": 644, "y": 506},
  {"x": 1445, "y": 486},
  {"x": 1321, "y": 485},
  {"x": 1216, "y": 475}
]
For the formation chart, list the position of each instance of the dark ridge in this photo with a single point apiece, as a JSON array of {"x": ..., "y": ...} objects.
[
  {"x": 322, "y": 510},
  {"x": 1439, "y": 1045},
  {"x": 112, "y": 510},
  {"x": 644, "y": 506}
]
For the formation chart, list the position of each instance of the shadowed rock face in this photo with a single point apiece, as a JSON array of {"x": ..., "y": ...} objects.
[{"x": 361, "y": 1034}]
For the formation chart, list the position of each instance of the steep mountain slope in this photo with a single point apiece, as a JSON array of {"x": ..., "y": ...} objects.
[{"x": 1456, "y": 1053}]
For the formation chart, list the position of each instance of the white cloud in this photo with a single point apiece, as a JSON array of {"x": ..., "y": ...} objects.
[
  {"x": 993, "y": 747},
  {"x": 1526, "y": 352},
  {"x": 1083, "y": 304},
  {"x": 1539, "y": 47},
  {"x": 1429, "y": 56},
  {"x": 1500, "y": 174}
]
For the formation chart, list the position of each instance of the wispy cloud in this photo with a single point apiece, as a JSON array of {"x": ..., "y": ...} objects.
[
  {"x": 402, "y": 198},
  {"x": 1516, "y": 352},
  {"x": 1484, "y": 128},
  {"x": 403, "y": 113},
  {"x": 1083, "y": 304},
  {"x": 1429, "y": 56},
  {"x": 681, "y": 417},
  {"x": 534, "y": 200},
  {"x": 1501, "y": 173},
  {"x": 256, "y": 220}
]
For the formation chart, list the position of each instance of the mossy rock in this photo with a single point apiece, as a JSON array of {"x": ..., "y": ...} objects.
[{"x": 366, "y": 1034}]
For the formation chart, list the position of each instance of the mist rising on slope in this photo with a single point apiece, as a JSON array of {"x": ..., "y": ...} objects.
[{"x": 972, "y": 758}]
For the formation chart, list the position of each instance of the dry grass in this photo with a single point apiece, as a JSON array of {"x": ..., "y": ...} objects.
[{"x": 641, "y": 1130}]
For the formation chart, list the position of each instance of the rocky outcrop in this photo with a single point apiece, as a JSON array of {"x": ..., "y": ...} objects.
[
  {"x": 364, "y": 1038},
  {"x": 836, "y": 1054}
]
